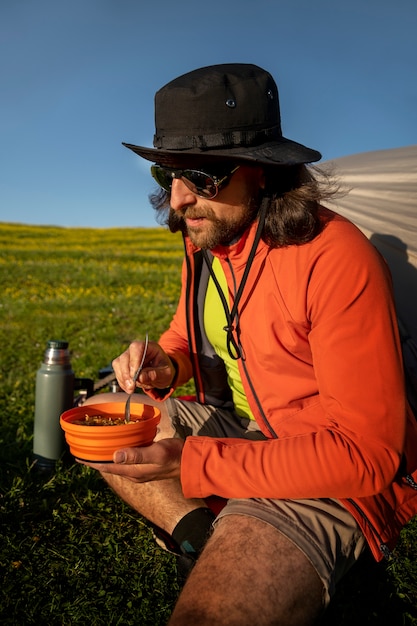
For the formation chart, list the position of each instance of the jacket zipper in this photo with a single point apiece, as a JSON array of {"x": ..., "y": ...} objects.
[
  {"x": 243, "y": 359},
  {"x": 386, "y": 552},
  {"x": 190, "y": 288}
]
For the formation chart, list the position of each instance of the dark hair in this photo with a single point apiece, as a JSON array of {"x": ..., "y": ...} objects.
[{"x": 293, "y": 194}]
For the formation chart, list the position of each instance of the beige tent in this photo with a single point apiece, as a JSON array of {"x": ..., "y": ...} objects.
[{"x": 382, "y": 201}]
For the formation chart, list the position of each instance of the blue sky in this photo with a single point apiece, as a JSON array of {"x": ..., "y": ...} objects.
[{"x": 78, "y": 77}]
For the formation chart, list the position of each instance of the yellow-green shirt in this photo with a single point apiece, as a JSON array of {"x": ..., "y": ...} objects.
[{"x": 214, "y": 321}]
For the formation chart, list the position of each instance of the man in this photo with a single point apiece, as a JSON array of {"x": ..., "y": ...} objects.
[{"x": 300, "y": 447}]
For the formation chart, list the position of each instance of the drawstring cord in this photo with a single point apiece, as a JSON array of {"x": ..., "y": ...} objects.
[{"x": 233, "y": 347}]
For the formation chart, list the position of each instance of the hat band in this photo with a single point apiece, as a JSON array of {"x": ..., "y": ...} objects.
[{"x": 232, "y": 139}]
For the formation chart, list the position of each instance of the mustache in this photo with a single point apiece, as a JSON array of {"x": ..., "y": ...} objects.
[
  {"x": 194, "y": 213},
  {"x": 176, "y": 219}
]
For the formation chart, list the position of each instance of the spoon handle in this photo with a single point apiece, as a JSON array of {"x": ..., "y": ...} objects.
[{"x": 135, "y": 377}]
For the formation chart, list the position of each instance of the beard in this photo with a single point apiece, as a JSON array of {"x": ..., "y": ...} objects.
[{"x": 213, "y": 231}]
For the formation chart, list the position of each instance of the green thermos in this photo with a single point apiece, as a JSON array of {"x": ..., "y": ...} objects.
[{"x": 54, "y": 395}]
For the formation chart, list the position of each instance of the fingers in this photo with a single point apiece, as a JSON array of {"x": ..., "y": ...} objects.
[
  {"x": 126, "y": 364},
  {"x": 159, "y": 461},
  {"x": 165, "y": 453},
  {"x": 158, "y": 370},
  {"x": 160, "y": 377}
]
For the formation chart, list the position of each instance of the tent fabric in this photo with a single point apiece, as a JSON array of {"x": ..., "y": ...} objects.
[{"x": 380, "y": 197}]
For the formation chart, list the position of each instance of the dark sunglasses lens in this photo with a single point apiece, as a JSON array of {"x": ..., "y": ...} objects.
[
  {"x": 162, "y": 176},
  {"x": 199, "y": 183}
]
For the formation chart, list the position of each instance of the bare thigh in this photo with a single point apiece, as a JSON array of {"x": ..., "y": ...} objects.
[{"x": 249, "y": 573}]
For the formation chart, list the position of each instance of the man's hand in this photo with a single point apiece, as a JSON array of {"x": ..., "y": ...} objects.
[
  {"x": 159, "y": 461},
  {"x": 158, "y": 369}
]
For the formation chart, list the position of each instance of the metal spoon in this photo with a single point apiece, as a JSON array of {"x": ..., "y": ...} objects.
[{"x": 135, "y": 377}]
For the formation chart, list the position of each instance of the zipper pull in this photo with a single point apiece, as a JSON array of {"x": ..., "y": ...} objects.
[
  {"x": 388, "y": 555},
  {"x": 411, "y": 481}
]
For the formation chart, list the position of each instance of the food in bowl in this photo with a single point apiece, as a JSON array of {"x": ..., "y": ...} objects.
[{"x": 100, "y": 420}]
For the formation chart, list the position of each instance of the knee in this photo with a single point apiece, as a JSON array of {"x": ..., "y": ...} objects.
[{"x": 250, "y": 572}]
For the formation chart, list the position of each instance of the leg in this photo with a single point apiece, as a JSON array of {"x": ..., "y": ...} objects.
[
  {"x": 249, "y": 573},
  {"x": 161, "y": 502}
]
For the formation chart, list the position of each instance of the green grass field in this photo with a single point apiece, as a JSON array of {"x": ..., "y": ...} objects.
[{"x": 70, "y": 551}]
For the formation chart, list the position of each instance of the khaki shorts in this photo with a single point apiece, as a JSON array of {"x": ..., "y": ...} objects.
[{"x": 322, "y": 529}]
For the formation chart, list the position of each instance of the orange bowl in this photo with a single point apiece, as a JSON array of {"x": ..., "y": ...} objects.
[{"x": 97, "y": 443}]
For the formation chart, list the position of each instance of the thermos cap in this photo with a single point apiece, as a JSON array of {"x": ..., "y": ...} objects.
[
  {"x": 58, "y": 345},
  {"x": 57, "y": 353}
]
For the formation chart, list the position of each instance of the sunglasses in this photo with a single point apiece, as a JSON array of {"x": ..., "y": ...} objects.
[{"x": 201, "y": 183}]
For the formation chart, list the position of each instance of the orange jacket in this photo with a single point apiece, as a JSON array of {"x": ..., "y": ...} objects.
[{"x": 322, "y": 354}]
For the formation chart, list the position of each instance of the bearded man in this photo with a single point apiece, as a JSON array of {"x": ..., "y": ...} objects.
[{"x": 299, "y": 451}]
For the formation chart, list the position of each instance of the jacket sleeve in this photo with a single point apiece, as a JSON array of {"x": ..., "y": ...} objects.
[{"x": 354, "y": 438}]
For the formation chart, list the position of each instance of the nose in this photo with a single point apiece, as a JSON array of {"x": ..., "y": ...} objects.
[{"x": 181, "y": 196}]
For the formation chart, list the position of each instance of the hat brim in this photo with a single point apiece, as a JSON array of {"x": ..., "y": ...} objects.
[{"x": 281, "y": 152}]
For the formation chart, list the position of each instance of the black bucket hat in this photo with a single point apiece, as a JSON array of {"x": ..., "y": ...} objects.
[{"x": 221, "y": 112}]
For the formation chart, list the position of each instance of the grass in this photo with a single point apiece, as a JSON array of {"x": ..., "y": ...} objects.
[{"x": 70, "y": 551}]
